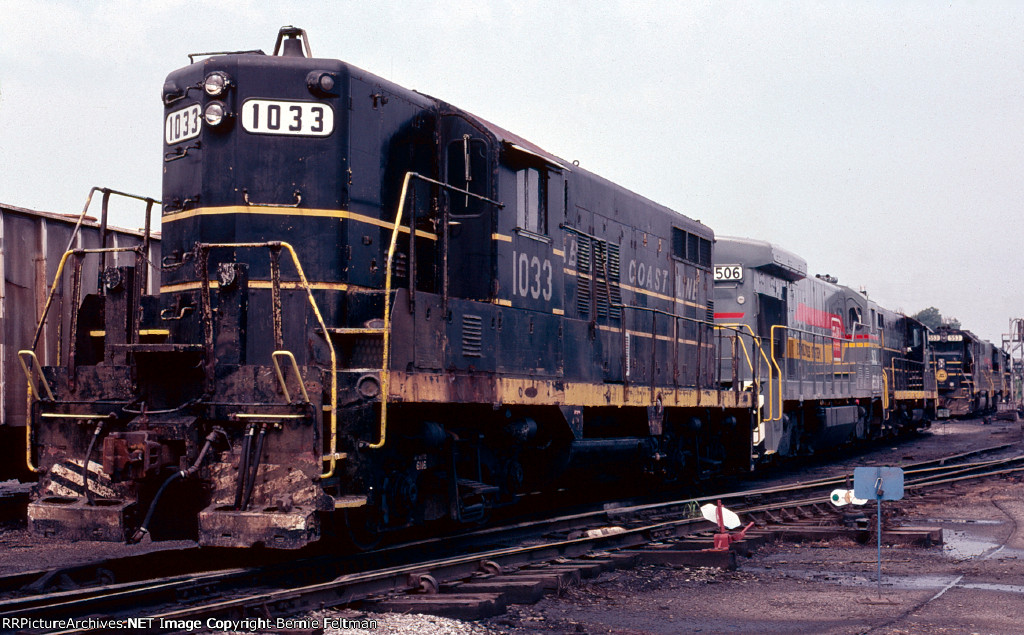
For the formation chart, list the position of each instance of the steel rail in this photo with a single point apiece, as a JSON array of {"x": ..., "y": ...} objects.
[
  {"x": 355, "y": 586},
  {"x": 914, "y": 484},
  {"x": 405, "y": 578}
]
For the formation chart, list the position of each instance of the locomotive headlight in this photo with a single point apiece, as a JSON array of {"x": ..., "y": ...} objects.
[
  {"x": 216, "y": 84},
  {"x": 214, "y": 113},
  {"x": 740, "y": 299}
]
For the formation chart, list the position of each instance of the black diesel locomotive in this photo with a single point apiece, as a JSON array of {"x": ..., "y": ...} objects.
[
  {"x": 972, "y": 374},
  {"x": 380, "y": 310}
]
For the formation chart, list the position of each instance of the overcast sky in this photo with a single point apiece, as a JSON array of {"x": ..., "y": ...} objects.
[{"x": 881, "y": 141}]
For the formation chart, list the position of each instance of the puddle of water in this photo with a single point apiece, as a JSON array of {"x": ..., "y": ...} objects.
[
  {"x": 962, "y": 546},
  {"x": 1006, "y": 588},
  {"x": 915, "y": 583},
  {"x": 1007, "y": 553},
  {"x": 903, "y": 583}
]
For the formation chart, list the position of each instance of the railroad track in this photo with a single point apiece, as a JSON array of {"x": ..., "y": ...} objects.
[{"x": 579, "y": 544}]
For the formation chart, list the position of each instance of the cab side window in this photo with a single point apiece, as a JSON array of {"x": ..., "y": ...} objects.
[{"x": 531, "y": 200}]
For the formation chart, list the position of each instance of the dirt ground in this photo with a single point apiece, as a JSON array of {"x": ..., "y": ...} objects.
[{"x": 974, "y": 583}]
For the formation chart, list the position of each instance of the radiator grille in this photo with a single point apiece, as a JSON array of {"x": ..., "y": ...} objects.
[
  {"x": 606, "y": 279},
  {"x": 583, "y": 284}
]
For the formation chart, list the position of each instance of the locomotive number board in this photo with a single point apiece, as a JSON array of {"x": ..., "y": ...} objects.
[
  {"x": 728, "y": 273},
  {"x": 302, "y": 118},
  {"x": 182, "y": 124}
]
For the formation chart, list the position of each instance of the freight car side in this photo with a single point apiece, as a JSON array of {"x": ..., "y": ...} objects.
[{"x": 31, "y": 246}]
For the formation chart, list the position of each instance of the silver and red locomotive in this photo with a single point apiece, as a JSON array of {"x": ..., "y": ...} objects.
[{"x": 835, "y": 366}]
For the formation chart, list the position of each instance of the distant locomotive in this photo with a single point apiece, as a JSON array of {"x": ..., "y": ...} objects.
[
  {"x": 378, "y": 308},
  {"x": 378, "y": 311},
  {"x": 972, "y": 374},
  {"x": 835, "y": 366}
]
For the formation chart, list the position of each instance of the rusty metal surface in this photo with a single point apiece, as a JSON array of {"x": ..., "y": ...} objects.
[
  {"x": 74, "y": 519},
  {"x": 280, "y": 530}
]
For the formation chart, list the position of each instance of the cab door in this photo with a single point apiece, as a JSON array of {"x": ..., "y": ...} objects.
[{"x": 468, "y": 163}]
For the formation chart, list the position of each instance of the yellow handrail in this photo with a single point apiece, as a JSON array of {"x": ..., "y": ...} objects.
[
  {"x": 30, "y": 395},
  {"x": 755, "y": 340},
  {"x": 895, "y": 383},
  {"x": 822, "y": 336},
  {"x": 333, "y": 455},
  {"x": 753, "y": 373},
  {"x": 280, "y": 375},
  {"x": 885, "y": 395},
  {"x": 264, "y": 416},
  {"x": 37, "y": 367},
  {"x": 771, "y": 376},
  {"x": 386, "y": 353},
  {"x": 776, "y": 363},
  {"x": 56, "y": 281},
  {"x": 30, "y": 399},
  {"x": 28, "y": 433},
  {"x": 385, "y": 374}
]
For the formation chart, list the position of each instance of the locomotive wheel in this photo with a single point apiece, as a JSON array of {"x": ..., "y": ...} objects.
[{"x": 361, "y": 529}]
